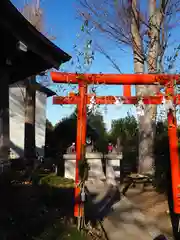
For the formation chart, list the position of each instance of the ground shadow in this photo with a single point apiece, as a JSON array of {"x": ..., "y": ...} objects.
[
  {"x": 20, "y": 152},
  {"x": 99, "y": 209},
  {"x": 27, "y": 210}
]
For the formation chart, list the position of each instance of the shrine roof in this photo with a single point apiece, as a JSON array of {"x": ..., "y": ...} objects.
[
  {"x": 36, "y": 54},
  {"x": 38, "y": 86},
  {"x": 45, "y": 90}
]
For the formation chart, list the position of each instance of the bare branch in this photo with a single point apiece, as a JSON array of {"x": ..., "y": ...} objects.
[
  {"x": 101, "y": 50},
  {"x": 113, "y": 20},
  {"x": 34, "y": 14},
  {"x": 146, "y": 32}
]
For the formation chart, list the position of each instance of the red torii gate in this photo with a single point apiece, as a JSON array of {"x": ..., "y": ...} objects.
[{"x": 82, "y": 99}]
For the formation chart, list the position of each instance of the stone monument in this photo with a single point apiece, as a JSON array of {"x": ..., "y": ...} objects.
[
  {"x": 95, "y": 163},
  {"x": 113, "y": 162}
]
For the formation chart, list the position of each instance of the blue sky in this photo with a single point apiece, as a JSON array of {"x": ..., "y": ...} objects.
[{"x": 61, "y": 21}]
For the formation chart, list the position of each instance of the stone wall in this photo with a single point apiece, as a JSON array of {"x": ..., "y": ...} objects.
[
  {"x": 112, "y": 175},
  {"x": 16, "y": 107},
  {"x": 17, "y": 114},
  {"x": 40, "y": 122}
]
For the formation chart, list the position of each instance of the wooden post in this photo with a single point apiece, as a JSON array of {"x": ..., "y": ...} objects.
[
  {"x": 127, "y": 90},
  {"x": 174, "y": 153},
  {"x": 174, "y": 160},
  {"x": 29, "y": 130},
  {"x": 80, "y": 141},
  {"x": 4, "y": 119}
]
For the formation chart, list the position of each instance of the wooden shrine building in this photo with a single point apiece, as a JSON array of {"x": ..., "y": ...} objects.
[{"x": 24, "y": 52}]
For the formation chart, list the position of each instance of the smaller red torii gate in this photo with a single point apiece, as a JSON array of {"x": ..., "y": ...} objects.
[{"x": 83, "y": 98}]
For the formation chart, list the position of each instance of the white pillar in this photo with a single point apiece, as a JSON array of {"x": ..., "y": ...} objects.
[
  {"x": 69, "y": 165},
  {"x": 96, "y": 170},
  {"x": 113, "y": 168}
]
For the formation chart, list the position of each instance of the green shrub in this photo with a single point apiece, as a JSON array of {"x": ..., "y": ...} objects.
[
  {"x": 36, "y": 177},
  {"x": 53, "y": 180}
]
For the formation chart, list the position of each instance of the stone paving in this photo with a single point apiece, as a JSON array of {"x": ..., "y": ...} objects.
[
  {"x": 127, "y": 222},
  {"x": 122, "y": 220}
]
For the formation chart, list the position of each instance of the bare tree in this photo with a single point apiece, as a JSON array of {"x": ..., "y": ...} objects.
[{"x": 142, "y": 26}]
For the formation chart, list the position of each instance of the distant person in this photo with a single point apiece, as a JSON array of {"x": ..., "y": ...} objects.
[
  {"x": 89, "y": 145},
  {"x": 73, "y": 147},
  {"x": 110, "y": 148}
]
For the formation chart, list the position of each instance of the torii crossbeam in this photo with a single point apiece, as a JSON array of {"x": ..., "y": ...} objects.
[{"x": 82, "y": 98}]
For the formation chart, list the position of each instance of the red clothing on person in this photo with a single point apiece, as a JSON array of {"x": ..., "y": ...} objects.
[
  {"x": 73, "y": 149},
  {"x": 110, "y": 148}
]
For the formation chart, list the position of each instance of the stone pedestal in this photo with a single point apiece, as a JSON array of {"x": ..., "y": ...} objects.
[
  {"x": 69, "y": 165},
  {"x": 113, "y": 168},
  {"x": 95, "y": 164}
]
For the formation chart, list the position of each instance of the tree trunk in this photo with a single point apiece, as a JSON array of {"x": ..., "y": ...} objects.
[
  {"x": 4, "y": 119},
  {"x": 146, "y": 122},
  {"x": 146, "y": 139},
  {"x": 30, "y": 106},
  {"x": 148, "y": 126}
]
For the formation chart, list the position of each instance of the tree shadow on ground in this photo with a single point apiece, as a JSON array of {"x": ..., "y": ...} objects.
[{"x": 28, "y": 210}]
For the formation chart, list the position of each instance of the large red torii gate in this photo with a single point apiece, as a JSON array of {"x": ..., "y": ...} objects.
[{"x": 82, "y": 99}]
